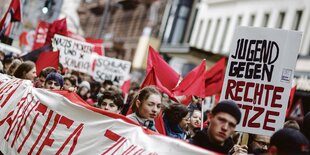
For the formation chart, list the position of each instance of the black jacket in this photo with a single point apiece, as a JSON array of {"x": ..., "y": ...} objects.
[{"x": 202, "y": 139}]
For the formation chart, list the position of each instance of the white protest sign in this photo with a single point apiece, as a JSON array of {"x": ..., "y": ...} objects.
[
  {"x": 74, "y": 54},
  {"x": 112, "y": 69},
  {"x": 38, "y": 121},
  {"x": 259, "y": 75}
]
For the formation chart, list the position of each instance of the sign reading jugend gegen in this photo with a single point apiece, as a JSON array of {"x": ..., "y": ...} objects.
[{"x": 258, "y": 76}]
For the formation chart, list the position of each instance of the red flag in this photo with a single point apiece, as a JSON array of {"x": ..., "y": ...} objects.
[
  {"x": 8, "y": 29},
  {"x": 47, "y": 59},
  {"x": 157, "y": 74},
  {"x": 58, "y": 27},
  {"x": 186, "y": 100},
  {"x": 98, "y": 48},
  {"x": 126, "y": 86},
  {"x": 152, "y": 79},
  {"x": 165, "y": 74},
  {"x": 40, "y": 35},
  {"x": 159, "y": 124},
  {"x": 12, "y": 14},
  {"x": 193, "y": 83},
  {"x": 292, "y": 93},
  {"x": 214, "y": 78}
]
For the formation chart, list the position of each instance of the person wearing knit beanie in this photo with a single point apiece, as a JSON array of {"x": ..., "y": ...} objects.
[
  {"x": 223, "y": 120},
  {"x": 54, "y": 81}
]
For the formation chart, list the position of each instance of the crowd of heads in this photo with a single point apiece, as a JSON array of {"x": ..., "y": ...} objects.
[{"x": 144, "y": 106}]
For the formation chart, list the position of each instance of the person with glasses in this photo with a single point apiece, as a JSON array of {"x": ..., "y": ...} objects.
[
  {"x": 223, "y": 119},
  {"x": 258, "y": 144},
  {"x": 176, "y": 119}
]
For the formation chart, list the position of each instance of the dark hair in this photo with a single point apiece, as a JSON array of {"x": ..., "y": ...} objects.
[
  {"x": 107, "y": 82},
  {"x": 115, "y": 97},
  {"x": 23, "y": 69},
  {"x": 143, "y": 95},
  {"x": 175, "y": 113},
  {"x": 290, "y": 141},
  {"x": 46, "y": 71},
  {"x": 14, "y": 65},
  {"x": 72, "y": 80}
]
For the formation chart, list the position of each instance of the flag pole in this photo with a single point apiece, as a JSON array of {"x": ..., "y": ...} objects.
[{"x": 202, "y": 115}]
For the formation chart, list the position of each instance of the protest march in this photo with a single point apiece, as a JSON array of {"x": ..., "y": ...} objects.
[{"x": 66, "y": 92}]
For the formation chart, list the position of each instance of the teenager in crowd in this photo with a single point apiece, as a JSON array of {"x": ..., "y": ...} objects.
[
  {"x": 223, "y": 119},
  {"x": 70, "y": 84},
  {"x": 7, "y": 61},
  {"x": 258, "y": 144},
  {"x": 54, "y": 81},
  {"x": 146, "y": 107},
  {"x": 133, "y": 91},
  {"x": 39, "y": 82},
  {"x": 111, "y": 101},
  {"x": 291, "y": 124},
  {"x": 14, "y": 65},
  {"x": 26, "y": 70},
  {"x": 106, "y": 85},
  {"x": 176, "y": 120},
  {"x": 194, "y": 123},
  {"x": 84, "y": 90},
  {"x": 288, "y": 141}
]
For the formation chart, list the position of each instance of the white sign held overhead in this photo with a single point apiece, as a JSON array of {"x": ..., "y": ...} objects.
[
  {"x": 74, "y": 54},
  {"x": 112, "y": 69},
  {"x": 259, "y": 75}
]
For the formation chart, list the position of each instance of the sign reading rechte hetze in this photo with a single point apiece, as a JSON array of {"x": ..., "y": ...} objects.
[
  {"x": 112, "y": 69},
  {"x": 259, "y": 75},
  {"x": 74, "y": 54}
]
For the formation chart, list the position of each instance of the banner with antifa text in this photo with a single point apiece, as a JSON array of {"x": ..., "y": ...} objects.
[
  {"x": 259, "y": 76},
  {"x": 37, "y": 121}
]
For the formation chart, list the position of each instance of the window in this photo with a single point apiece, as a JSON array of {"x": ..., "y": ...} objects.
[
  {"x": 192, "y": 26},
  {"x": 198, "y": 31},
  {"x": 239, "y": 20},
  {"x": 280, "y": 20},
  {"x": 207, "y": 33},
  {"x": 265, "y": 20},
  {"x": 252, "y": 20},
  {"x": 224, "y": 33},
  {"x": 215, "y": 33},
  {"x": 297, "y": 18}
]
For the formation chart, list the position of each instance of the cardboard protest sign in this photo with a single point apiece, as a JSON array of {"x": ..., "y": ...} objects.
[
  {"x": 37, "y": 121},
  {"x": 259, "y": 76},
  {"x": 74, "y": 54},
  {"x": 112, "y": 69}
]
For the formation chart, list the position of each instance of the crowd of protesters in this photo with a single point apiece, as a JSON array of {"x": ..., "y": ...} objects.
[{"x": 145, "y": 105}]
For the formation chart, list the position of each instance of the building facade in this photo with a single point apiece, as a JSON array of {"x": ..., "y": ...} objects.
[
  {"x": 217, "y": 20},
  {"x": 121, "y": 23}
]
